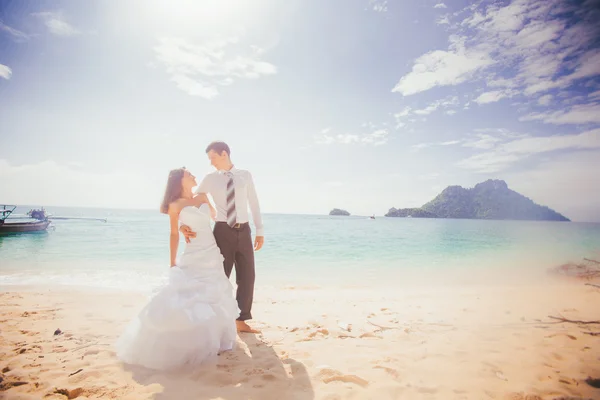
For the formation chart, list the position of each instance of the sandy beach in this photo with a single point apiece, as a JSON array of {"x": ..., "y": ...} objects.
[{"x": 439, "y": 342}]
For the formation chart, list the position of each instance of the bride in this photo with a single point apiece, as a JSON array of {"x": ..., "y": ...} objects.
[{"x": 192, "y": 318}]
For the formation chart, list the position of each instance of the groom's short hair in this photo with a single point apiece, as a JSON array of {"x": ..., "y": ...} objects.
[{"x": 219, "y": 148}]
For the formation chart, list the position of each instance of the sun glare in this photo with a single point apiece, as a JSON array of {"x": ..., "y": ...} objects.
[{"x": 200, "y": 14}]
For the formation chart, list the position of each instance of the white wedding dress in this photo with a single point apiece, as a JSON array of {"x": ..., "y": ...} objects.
[{"x": 192, "y": 318}]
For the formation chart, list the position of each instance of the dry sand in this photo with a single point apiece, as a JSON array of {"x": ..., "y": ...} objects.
[{"x": 457, "y": 342}]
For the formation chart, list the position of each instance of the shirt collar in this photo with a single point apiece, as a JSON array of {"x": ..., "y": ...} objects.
[{"x": 232, "y": 170}]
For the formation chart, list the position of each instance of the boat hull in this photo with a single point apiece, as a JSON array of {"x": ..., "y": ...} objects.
[{"x": 16, "y": 227}]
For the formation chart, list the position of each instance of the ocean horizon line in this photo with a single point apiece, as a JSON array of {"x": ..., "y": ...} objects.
[
  {"x": 36, "y": 206},
  {"x": 97, "y": 208}
]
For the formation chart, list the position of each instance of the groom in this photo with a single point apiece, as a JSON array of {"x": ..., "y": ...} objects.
[{"x": 233, "y": 191}]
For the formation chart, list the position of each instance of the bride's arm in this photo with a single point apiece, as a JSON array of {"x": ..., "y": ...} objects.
[{"x": 174, "y": 236}]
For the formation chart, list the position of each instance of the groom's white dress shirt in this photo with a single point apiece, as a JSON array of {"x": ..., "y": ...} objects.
[{"x": 215, "y": 184}]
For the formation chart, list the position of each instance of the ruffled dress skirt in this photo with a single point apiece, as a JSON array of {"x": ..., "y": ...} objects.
[{"x": 187, "y": 322}]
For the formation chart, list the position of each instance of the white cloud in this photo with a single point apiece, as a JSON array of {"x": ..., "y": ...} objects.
[
  {"x": 443, "y": 68},
  {"x": 5, "y": 71},
  {"x": 510, "y": 152},
  {"x": 420, "y": 146},
  {"x": 57, "y": 23},
  {"x": 493, "y": 96},
  {"x": 501, "y": 82},
  {"x": 482, "y": 141},
  {"x": 502, "y": 132},
  {"x": 488, "y": 162},
  {"x": 594, "y": 95},
  {"x": 442, "y": 103},
  {"x": 428, "y": 110},
  {"x": 343, "y": 138},
  {"x": 545, "y": 99},
  {"x": 401, "y": 116},
  {"x": 374, "y": 138},
  {"x": 379, "y": 5},
  {"x": 405, "y": 112},
  {"x": 201, "y": 69},
  {"x": 531, "y": 145},
  {"x": 578, "y": 114},
  {"x": 440, "y": 5},
  {"x": 16, "y": 34},
  {"x": 443, "y": 20},
  {"x": 532, "y": 46}
]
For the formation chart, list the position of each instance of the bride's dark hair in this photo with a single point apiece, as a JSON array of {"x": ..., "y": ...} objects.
[{"x": 174, "y": 189}]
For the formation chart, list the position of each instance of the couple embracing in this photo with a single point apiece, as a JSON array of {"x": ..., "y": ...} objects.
[{"x": 194, "y": 317}]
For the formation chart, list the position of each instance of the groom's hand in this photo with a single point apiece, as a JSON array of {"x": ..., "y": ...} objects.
[
  {"x": 187, "y": 233},
  {"x": 258, "y": 242}
]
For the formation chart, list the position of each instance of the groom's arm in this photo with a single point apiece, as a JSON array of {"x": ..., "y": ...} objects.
[
  {"x": 205, "y": 189},
  {"x": 204, "y": 186},
  {"x": 255, "y": 210}
]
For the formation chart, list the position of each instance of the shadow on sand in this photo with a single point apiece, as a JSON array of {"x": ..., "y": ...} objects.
[{"x": 251, "y": 371}]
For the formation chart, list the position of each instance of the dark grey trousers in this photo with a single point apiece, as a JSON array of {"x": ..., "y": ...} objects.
[{"x": 237, "y": 248}]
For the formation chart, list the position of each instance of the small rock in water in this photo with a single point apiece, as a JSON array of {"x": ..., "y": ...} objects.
[{"x": 57, "y": 332}]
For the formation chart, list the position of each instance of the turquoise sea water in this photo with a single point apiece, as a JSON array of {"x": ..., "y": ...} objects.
[{"x": 130, "y": 250}]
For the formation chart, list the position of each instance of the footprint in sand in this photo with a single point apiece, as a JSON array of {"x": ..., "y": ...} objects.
[
  {"x": 7, "y": 382},
  {"x": 562, "y": 334},
  {"x": 391, "y": 371},
  {"x": 28, "y": 313},
  {"x": 321, "y": 331},
  {"x": 85, "y": 375},
  {"x": 255, "y": 371},
  {"x": 370, "y": 335},
  {"x": 328, "y": 375},
  {"x": 521, "y": 396},
  {"x": 32, "y": 349},
  {"x": 269, "y": 377},
  {"x": 71, "y": 394},
  {"x": 29, "y": 333},
  {"x": 426, "y": 389},
  {"x": 91, "y": 353},
  {"x": 59, "y": 349}
]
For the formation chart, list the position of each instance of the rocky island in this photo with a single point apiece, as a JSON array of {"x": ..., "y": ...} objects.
[
  {"x": 491, "y": 199},
  {"x": 337, "y": 211}
]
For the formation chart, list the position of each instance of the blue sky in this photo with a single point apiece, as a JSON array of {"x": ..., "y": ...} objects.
[{"x": 357, "y": 104}]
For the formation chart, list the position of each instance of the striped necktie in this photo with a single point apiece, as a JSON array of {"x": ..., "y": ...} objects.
[{"x": 231, "y": 214}]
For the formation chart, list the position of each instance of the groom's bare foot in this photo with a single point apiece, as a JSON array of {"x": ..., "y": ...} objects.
[{"x": 242, "y": 326}]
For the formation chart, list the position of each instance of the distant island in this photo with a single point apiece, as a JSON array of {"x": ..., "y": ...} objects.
[
  {"x": 491, "y": 199},
  {"x": 337, "y": 211}
]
